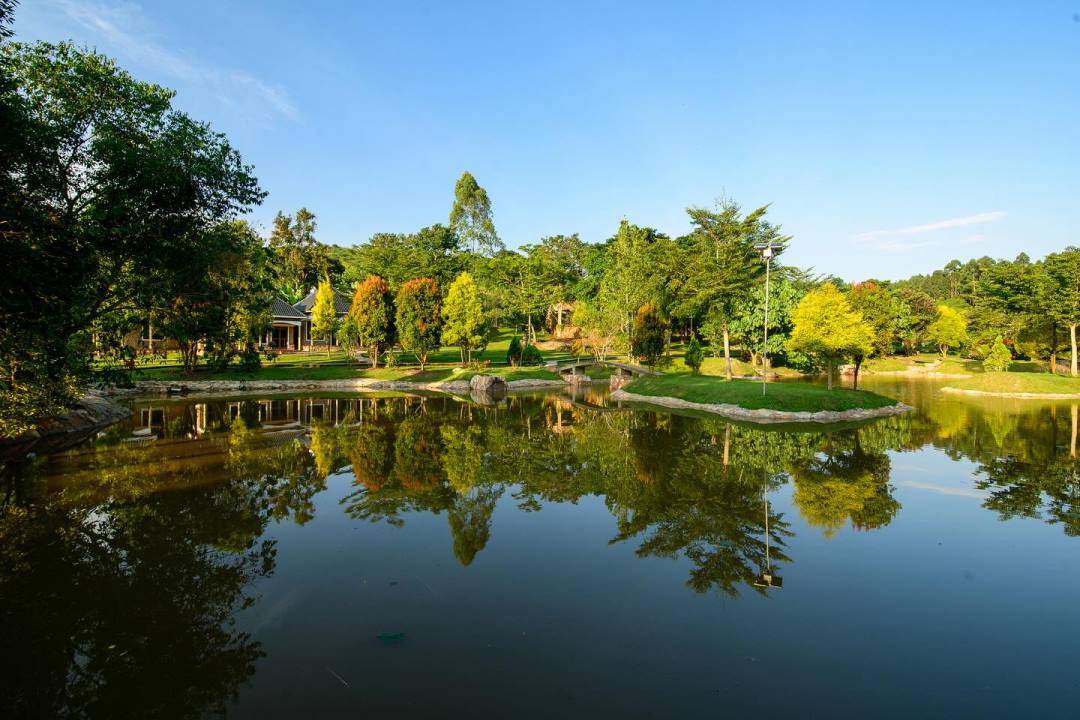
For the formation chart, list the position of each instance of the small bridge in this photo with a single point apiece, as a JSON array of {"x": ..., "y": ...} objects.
[{"x": 577, "y": 367}]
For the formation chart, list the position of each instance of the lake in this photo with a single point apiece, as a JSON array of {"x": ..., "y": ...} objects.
[{"x": 548, "y": 556}]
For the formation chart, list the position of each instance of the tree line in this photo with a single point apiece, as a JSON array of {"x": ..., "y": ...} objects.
[{"x": 119, "y": 211}]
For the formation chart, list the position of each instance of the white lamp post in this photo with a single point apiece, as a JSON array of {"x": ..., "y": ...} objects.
[{"x": 767, "y": 249}]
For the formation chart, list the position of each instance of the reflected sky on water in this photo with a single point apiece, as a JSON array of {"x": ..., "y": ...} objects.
[{"x": 547, "y": 555}]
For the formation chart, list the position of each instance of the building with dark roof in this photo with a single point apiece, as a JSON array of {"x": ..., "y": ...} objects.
[{"x": 290, "y": 327}]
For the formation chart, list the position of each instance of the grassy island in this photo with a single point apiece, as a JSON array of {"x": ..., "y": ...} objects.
[
  {"x": 782, "y": 396},
  {"x": 1020, "y": 383}
]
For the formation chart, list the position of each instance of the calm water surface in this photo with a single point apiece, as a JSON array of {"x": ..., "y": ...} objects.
[{"x": 546, "y": 557}]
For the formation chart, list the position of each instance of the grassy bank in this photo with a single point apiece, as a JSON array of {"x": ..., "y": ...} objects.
[
  {"x": 785, "y": 396},
  {"x": 1020, "y": 382}
]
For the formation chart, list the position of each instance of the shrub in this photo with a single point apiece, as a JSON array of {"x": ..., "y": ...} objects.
[
  {"x": 694, "y": 355},
  {"x": 249, "y": 358},
  {"x": 650, "y": 335},
  {"x": 999, "y": 357},
  {"x": 513, "y": 353},
  {"x": 531, "y": 356}
]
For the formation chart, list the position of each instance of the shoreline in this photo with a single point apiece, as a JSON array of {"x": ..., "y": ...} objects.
[
  {"x": 764, "y": 415},
  {"x": 1015, "y": 395},
  {"x": 196, "y": 388}
]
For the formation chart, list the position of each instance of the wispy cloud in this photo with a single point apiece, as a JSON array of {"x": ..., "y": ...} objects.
[
  {"x": 895, "y": 239},
  {"x": 946, "y": 490},
  {"x": 124, "y": 29}
]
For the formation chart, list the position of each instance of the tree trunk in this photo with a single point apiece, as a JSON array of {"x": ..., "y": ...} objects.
[
  {"x": 830, "y": 373},
  {"x": 373, "y": 355},
  {"x": 1053, "y": 348},
  {"x": 1072, "y": 336},
  {"x": 944, "y": 351},
  {"x": 727, "y": 350},
  {"x": 858, "y": 364}
]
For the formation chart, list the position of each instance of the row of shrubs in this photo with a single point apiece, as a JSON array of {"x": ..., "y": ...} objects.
[{"x": 523, "y": 355}]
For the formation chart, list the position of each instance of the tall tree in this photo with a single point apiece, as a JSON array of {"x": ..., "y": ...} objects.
[
  {"x": 464, "y": 317},
  {"x": 1062, "y": 293},
  {"x": 419, "y": 317},
  {"x": 827, "y": 328},
  {"x": 300, "y": 260},
  {"x": 434, "y": 252},
  {"x": 219, "y": 297},
  {"x": 470, "y": 216},
  {"x": 372, "y": 315},
  {"x": 106, "y": 191},
  {"x": 324, "y": 319},
  {"x": 719, "y": 266}
]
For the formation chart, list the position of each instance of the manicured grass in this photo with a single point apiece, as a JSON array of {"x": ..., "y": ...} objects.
[
  {"x": 889, "y": 364},
  {"x": 786, "y": 396},
  {"x": 1020, "y": 382}
]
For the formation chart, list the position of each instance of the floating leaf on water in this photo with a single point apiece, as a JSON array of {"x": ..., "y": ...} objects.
[{"x": 391, "y": 638}]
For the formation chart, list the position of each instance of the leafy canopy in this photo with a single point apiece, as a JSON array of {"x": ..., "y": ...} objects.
[
  {"x": 464, "y": 317},
  {"x": 826, "y": 327},
  {"x": 419, "y": 317}
]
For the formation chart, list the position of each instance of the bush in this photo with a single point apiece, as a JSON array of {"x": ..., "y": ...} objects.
[
  {"x": 999, "y": 357},
  {"x": 249, "y": 358},
  {"x": 513, "y": 353},
  {"x": 694, "y": 355},
  {"x": 650, "y": 335},
  {"x": 531, "y": 356}
]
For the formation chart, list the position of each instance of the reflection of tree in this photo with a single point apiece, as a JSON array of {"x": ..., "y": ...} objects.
[
  {"x": 414, "y": 479},
  {"x": 470, "y": 520},
  {"x": 288, "y": 473},
  {"x": 371, "y": 453},
  {"x": 699, "y": 504},
  {"x": 126, "y": 608},
  {"x": 842, "y": 483},
  {"x": 417, "y": 454},
  {"x": 463, "y": 455},
  {"x": 1033, "y": 490}
]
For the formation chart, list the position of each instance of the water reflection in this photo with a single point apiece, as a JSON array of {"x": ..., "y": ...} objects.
[{"x": 120, "y": 599}]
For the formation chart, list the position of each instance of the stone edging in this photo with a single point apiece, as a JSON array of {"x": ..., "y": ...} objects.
[
  {"x": 215, "y": 387},
  {"x": 90, "y": 413},
  {"x": 764, "y": 415},
  {"x": 1017, "y": 395}
]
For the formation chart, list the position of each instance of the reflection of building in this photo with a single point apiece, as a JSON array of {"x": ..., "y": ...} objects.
[{"x": 172, "y": 419}]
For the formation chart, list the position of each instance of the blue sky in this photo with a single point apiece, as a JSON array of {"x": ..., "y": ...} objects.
[{"x": 889, "y": 138}]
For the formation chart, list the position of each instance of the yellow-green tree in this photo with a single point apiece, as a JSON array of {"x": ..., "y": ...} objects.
[
  {"x": 324, "y": 319},
  {"x": 464, "y": 317},
  {"x": 949, "y": 330},
  {"x": 827, "y": 329}
]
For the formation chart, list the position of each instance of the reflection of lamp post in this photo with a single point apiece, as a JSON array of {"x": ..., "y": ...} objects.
[
  {"x": 766, "y": 249},
  {"x": 766, "y": 578}
]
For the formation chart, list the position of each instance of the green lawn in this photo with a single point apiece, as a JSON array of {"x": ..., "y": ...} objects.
[
  {"x": 1020, "y": 382},
  {"x": 787, "y": 396}
]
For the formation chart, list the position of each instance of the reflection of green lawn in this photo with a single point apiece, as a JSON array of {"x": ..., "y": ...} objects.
[
  {"x": 437, "y": 373},
  {"x": 1020, "y": 382},
  {"x": 789, "y": 397}
]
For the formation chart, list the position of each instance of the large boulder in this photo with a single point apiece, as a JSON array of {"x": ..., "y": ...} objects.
[{"x": 487, "y": 389}]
